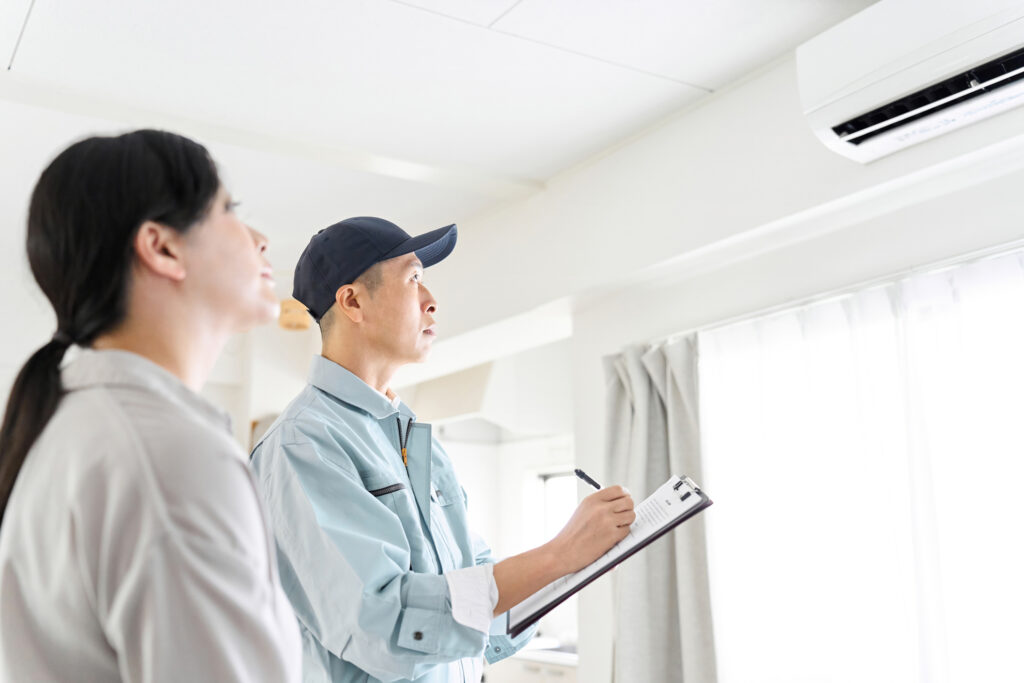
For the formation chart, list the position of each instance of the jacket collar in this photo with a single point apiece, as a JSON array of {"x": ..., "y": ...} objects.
[
  {"x": 342, "y": 384},
  {"x": 109, "y": 367}
]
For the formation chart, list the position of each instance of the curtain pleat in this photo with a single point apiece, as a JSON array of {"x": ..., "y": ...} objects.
[{"x": 663, "y": 629}]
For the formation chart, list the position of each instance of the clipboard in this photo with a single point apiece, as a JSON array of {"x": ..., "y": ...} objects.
[{"x": 674, "y": 502}]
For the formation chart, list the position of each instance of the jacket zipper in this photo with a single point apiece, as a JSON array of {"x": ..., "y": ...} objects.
[{"x": 403, "y": 443}]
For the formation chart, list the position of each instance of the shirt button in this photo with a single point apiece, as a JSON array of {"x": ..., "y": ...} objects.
[
  {"x": 418, "y": 635},
  {"x": 497, "y": 649}
]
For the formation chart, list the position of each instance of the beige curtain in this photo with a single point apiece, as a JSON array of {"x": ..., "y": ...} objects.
[{"x": 663, "y": 629}]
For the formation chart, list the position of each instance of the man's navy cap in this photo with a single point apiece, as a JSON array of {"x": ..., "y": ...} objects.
[{"x": 338, "y": 254}]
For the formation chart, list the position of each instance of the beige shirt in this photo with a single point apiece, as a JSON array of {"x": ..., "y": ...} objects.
[{"x": 134, "y": 546}]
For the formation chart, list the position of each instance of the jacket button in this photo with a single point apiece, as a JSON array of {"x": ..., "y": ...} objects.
[{"x": 418, "y": 635}]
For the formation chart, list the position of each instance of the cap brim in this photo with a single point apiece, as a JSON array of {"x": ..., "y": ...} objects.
[{"x": 430, "y": 247}]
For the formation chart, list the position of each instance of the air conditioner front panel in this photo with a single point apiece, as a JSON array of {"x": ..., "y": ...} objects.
[
  {"x": 892, "y": 36},
  {"x": 898, "y": 48}
]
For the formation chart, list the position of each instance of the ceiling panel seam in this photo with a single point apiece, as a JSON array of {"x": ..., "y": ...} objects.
[
  {"x": 551, "y": 46},
  {"x": 437, "y": 14},
  {"x": 21, "y": 34},
  {"x": 603, "y": 60},
  {"x": 504, "y": 14}
]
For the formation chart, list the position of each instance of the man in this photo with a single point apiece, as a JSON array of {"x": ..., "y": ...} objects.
[{"x": 369, "y": 518}]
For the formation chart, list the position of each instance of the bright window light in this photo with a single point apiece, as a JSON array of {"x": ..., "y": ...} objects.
[{"x": 866, "y": 456}]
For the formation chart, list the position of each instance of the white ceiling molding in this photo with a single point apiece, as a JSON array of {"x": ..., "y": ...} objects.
[
  {"x": 968, "y": 170},
  {"x": 526, "y": 394},
  {"x": 544, "y": 325},
  {"x": 24, "y": 90}
]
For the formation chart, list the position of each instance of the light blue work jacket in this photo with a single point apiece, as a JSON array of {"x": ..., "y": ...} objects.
[{"x": 363, "y": 541}]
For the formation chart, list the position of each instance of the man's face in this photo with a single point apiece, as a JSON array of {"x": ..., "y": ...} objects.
[{"x": 398, "y": 316}]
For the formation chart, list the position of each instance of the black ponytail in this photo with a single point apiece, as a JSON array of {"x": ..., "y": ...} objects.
[{"x": 83, "y": 216}]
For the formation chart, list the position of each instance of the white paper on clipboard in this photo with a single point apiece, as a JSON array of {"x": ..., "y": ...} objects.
[{"x": 675, "y": 501}]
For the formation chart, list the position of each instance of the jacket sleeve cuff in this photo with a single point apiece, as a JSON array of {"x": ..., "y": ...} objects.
[
  {"x": 500, "y": 645},
  {"x": 420, "y": 630},
  {"x": 474, "y": 595}
]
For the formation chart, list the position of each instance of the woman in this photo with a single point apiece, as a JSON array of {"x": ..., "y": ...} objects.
[{"x": 132, "y": 543}]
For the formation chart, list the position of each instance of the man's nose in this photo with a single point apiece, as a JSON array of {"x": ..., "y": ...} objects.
[{"x": 429, "y": 303}]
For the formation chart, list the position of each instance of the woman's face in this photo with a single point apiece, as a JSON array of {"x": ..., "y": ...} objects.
[{"x": 227, "y": 270}]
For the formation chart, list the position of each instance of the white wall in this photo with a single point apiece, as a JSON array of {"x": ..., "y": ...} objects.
[
  {"x": 742, "y": 161},
  {"x": 279, "y": 366},
  {"x": 520, "y": 429},
  {"x": 493, "y": 475},
  {"x": 503, "y": 487},
  {"x": 530, "y": 393},
  {"x": 228, "y": 387},
  {"x": 521, "y": 463},
  {"x": 520, "y": 424},
  {"x": 905, "y": 239},
  {"x": 518, "y": 462},
  {"x": 728, "y": 209},
  {"x": 259, "y": 372},
  {"x": 527, "y": 393},
  {"x": 722, "y": 210},
  {"x": 477, "y": 465}
]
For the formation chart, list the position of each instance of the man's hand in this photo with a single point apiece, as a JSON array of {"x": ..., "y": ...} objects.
[{"x": 599, "y": 522}]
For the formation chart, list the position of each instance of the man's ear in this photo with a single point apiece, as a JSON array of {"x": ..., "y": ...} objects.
[
  {"x": 348, "y": 298},
  {"x": 158, "y": 249}
]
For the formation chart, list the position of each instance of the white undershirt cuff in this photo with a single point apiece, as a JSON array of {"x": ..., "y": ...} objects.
[{"x": 474, "y": 596}]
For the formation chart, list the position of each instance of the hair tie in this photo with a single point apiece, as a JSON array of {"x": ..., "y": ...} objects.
[{"x": 62, "y": 337}]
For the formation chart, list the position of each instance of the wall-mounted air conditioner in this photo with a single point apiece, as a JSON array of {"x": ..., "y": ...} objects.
[{"x": 905, "y": 71}]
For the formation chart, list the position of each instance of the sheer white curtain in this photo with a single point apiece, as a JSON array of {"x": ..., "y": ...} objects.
[
  {"x": 663, "y": 631},
  {"x": 866, "y": 457}
]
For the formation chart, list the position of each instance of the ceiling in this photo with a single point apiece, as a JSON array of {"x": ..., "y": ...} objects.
[{"x": 424, "y": 111}]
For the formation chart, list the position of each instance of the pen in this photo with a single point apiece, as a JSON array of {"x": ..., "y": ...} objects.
[{"x": 583, "y": 475}]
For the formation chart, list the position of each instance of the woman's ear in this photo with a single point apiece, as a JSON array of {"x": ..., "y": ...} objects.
[
  {"x": 159, "y": 250},
  {"x": 348, "y": 299}
]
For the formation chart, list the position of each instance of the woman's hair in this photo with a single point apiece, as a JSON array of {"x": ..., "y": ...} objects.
[{"x": 82, "y": 220}]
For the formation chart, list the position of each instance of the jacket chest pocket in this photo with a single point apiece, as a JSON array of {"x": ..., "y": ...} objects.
[
  {"x": 445, "y": 489},
  {"x": 397, "y": 498},
  {"x": 440, "y": 496},
  {"x": 383, "y": 491},
  {"x": 447, "y": 520}
]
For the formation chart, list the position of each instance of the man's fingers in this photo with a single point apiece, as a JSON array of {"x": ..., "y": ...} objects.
[
  {"x": 625, "y": 518},
  {"x": 612, "y": 493},
  {"x": 622, "y": 504}
]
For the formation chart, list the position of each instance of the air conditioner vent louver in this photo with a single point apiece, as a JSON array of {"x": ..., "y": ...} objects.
[{"x": 979, "y": 80}]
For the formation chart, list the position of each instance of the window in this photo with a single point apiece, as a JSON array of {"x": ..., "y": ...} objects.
[
  {"x": 559, "y": 501},
  {"x": 866, "y": 457},
  {"x": 549, "y": 499}
]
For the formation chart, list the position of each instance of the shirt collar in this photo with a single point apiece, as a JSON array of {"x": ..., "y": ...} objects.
[
  {"x": 332, "y": 378},
  {"x": 110, "y": 367}
]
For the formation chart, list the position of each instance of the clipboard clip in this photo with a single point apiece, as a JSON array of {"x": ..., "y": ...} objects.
[{"x": 688, "y": 482}]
